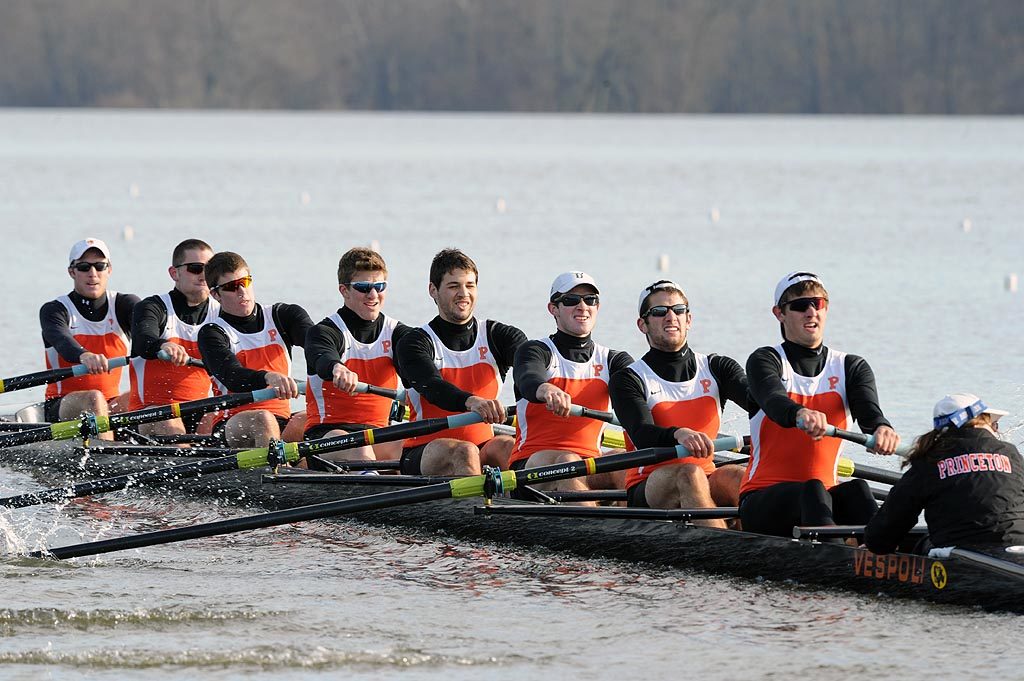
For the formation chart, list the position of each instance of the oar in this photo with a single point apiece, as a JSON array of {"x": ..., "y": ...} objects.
[
  {"x": 280, "y": 452},
  {"x": 397, "y": 395},
  {"x": 842, "y": 531},
  {"x": 860, "y": 470},
  {"x": 192, "y": 361},
  {"x": 492, "y": 482},
  {"x": 13, "y": 383},
  {"x": 89, "y": 424}
]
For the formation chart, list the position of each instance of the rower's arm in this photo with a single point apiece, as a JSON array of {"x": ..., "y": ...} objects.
[
  {"x": 731, "y": 379},
  {"x": 222, "y": 363},
  {"x": 529, "y": 370},
  {"x": 764, "y": 379},
  {"x": 294, "y": 323},
  {"x": 630, "y": 404},
  {"x": 863, "y": 395},
  {"x": 54, "y": 322},
  {"x": 324, "y": 346},
  {"x": 504, "y": 341},
  {"x": 415, "y": 355},
  {"x": 897, "y": 515},
  {"x": 124, "y": 307},
  {"x": 148, "y": 321}
]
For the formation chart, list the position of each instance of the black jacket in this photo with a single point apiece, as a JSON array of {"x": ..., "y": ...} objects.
[{"x": 971, "y": 489}]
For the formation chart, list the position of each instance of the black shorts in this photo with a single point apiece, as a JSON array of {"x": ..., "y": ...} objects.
[
  {"x": 51, "y": 410},
  {"x": 218, "y": 428},
  {"x": 636, "y": 496},
  {"x": 412, "y": 458},
  {"x": 321, "y": 429}
]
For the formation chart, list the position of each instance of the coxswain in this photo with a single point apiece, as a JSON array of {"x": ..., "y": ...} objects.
[
  {"x": 968, "y": 482},
  {"x": 454, "y": 364},
  {"x": 169, "y": 323},
  {"x": 87, "y": 326},
  {"x": 798, "y": 388},
  {"x": 675, "y": 396},
  {"x": 248, "y": 347},
  {"x": 554, "y": 373},
  {"x": 353, "y": 345}
]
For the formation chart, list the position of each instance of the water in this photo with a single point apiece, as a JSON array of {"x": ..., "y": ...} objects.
[{"x": 874, "y": 205}]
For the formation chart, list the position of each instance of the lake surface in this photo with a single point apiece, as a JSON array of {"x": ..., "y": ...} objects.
[{"x": 913, "y": 223}]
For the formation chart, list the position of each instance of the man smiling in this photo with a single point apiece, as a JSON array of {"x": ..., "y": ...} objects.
[
  {"x": 248, "y": 347},
  {"x": 88, "y": 326},
  {"x": 556, "y": 372},
  {"x": 798, "y": 388}
]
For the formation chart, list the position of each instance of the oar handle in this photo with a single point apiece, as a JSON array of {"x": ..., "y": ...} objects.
[
  {"x": 396, "y": 395},
  {"x": 112, "y": 363},
  {"x": 192, "y": 361},
  {"x": 860, "y": 438},
  {"x": 586, "y": 412}
]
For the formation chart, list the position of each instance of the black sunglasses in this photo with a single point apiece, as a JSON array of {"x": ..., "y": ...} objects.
[
  {"x": 801, "y": 304},
  {"x": 573, "y": 299},
  {"x": 679, "y": 309},
  {"x": 86, "y": 266},
  {"x": 367, "y": 286},
  {"x": 234, "y": 284},
  {"x": 193, "y": 267}
]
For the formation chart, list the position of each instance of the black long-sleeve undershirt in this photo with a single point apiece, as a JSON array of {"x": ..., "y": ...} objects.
[
  {"x": 764, "y": 376},
  {"x": 630, "y": 401},
  {"x": 325, "y": 343},
  {"x": 415, "y": 355},
  {"x": 55, "y": 321},
  {"x": 533, "y": 358},
  {"x": 150, "y": 318},
  {"x": 291, "y": 320}
]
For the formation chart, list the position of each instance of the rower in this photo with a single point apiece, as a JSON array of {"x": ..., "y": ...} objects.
[
  {"x": 797, "y": 389},
  {"x": 355, "y": 344},
  {"x": 87, "y": 326},
  {"x": 675, "y": 396},
  {"x": 169, "y": 324},
  {"x": 554, "y": 373},
  {"x": 456, "y": 364},
  {"x": 248, "y": 347},
  {"x": 968, "y": 482}
]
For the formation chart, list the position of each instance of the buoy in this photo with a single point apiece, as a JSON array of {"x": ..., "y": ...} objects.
[
  {"x": 1011, "y": 282},
  {"x": 966, "y": 225},
  {"x": 128, "y": 233},
  {"x": 305, "y": 198},
  {"x": 133, "y": 190},
  {"x": 663, "y": 262},
  {"x": 500, "y": 205},
  {"x": 715, "y": 214}
]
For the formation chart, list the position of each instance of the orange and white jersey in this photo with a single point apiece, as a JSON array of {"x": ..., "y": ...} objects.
[
  {"x": 474, "y": 370},
  {"x": 261, "y": 351},
  {"x": 780, "y": 454},
  {"x": 695, "y": 404},
  {"x": 537, "y": 429},
  {"x": 373, "y": 363},
  {"x": 156, "y": 382},
  {"x": 105, "y": 337}
]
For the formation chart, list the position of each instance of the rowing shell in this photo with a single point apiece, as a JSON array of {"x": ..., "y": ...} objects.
[{"x": 646, "y": 535}]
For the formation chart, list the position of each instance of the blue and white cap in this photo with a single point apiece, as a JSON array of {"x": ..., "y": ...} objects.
[{"x": 959, "y": 408}]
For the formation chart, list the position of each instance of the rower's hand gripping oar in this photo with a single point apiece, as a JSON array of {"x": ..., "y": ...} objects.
[
  {"x": 275, "y": 454},
  {"x": 366, "y": 388},
  {"x": 13, "y": 383},
  {"x": 192, "y": 361},
  {"x": 474, "y": 486}
]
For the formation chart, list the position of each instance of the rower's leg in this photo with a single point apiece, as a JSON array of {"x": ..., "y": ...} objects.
[
  {"x": 388, "y": 451},
  {"x": 293, "y": 429},
  {"x": 611, "y": 479},
  {"x": 168, "y": 427},
  {"x": 254, "y": 428},
  {"x": 447, "y": 456},
  {"x": 815, "y": 504},
  {"x": 773, "y": 510},
  {"x": 495, "y": 452},
  {"x": 550, "y": 457},
  {"x": 355, "y": 454},
  {"x": 73, "y": 404},
  {"x": 681, "y": 486},
  {"x": 853, "y": 503},
  {"x": 725, "y": 485}
]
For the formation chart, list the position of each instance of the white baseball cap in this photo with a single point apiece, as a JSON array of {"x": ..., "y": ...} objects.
[
  {"x": 80, "y": 247},
  {"x": 660, "y": 285},
  {"x": 567, "y": 281},
  {"x": 959, "y": 408},
  {"x": 793, "y": 278}
]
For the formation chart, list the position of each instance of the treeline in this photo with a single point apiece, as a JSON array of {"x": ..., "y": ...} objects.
[{"x": 702, "y": 56}]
